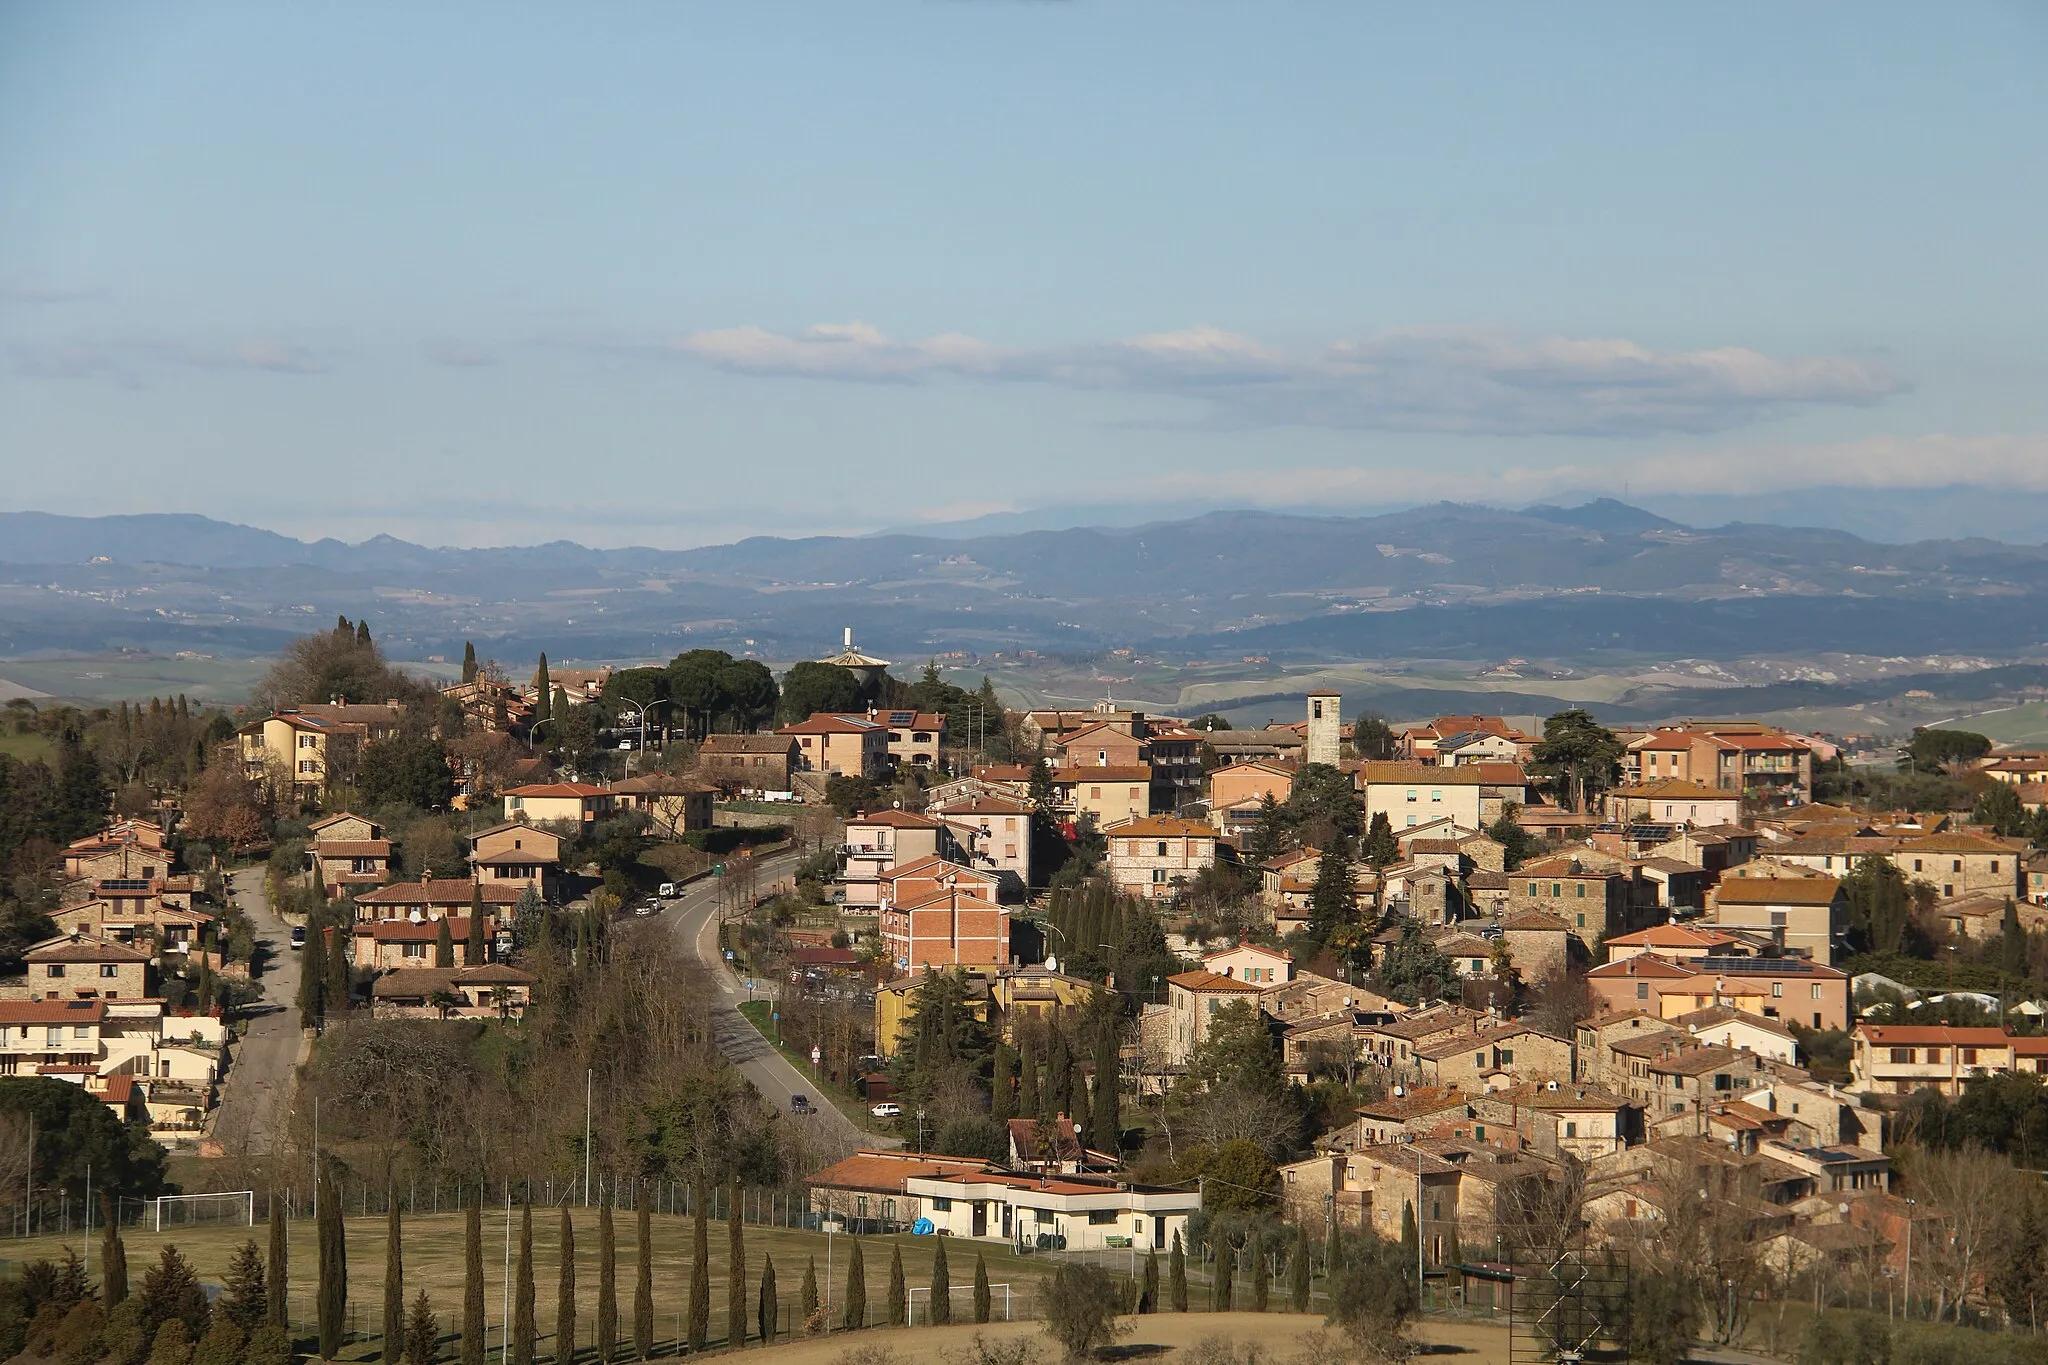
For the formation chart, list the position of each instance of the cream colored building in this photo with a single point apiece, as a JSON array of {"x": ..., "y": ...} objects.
[{"x": 1153, "y": 858}]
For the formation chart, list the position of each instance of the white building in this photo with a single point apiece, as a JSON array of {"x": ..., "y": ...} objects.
[{"x": 1070, "y": 1212}]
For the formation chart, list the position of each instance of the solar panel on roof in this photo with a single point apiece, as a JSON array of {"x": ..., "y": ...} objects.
[
  {"x": 902, "y": 717},
  {"x": 1770, "y": 966}
]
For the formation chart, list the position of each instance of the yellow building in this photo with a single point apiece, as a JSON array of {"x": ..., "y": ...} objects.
[{"x": 1004, "y": 998}]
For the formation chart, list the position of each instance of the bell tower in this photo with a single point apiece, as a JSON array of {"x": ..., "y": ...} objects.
[{"x": 1324, "y": 742}]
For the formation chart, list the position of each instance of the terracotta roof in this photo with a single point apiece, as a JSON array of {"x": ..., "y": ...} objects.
[
  {"x": 885, "y": 1173},
  {"x": 937, "y": 869},
  {"x": 1260, "y": 949},
  {"x": 353, "y": 848},
  {"x": 1696, "y": 1020},
  {"x": 1777, "y": 890},
  {"x": 744, "y": 744},
  {"x": 562, "y": 790},
  {"x": 1675, "y": 789},
  {"x": 440, "y": 891},
  {"x": 660, "y": 784},
  {"x": 413, "y": 931},
  {"x": 1066, "y": 1143},
  {"x": 1906, "y": 1035},
  {"x": 1673, "y": 936},
  {"x": 1561, "y": 865},
  {"x": 83, "y": 949},
  {"x": 337, "y": 818},
  {"x": 513, "y": 857},
  {"x": 1213, "y": 981},
  {"x": 1159, "y": 826},
  {"x": 834, "y": 725},
  {"x": 1394, "y": 773},
  {"x": 1962, "y": 843},
  {"x": 986, "y": 805},
  {"x": 51, "y": 1011},
  {"x": 895, "y": 819},
  {"x": 1539, "y": 921}
]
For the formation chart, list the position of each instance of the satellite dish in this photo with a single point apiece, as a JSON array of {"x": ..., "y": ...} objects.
[{"x": 1052, "y": 963}]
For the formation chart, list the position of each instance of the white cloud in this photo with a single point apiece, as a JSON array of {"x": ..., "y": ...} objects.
[{"x": 1438, "y": 380}]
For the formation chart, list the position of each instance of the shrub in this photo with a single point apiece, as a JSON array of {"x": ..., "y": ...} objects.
[{"x": 1081, "y": 1306}]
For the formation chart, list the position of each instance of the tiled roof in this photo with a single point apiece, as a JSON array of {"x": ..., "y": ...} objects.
[
  {"x": 558, "y": 790},
  {"x": 1213, "y": 981},
  {"x": 19, "y": 1012},
  {"x": 1536, "y": 921},
  {"x": 885, "y": 1173},
  {"x": 1674, "y": 789},
  {"x": 440, "y": 891},
  {"x": 413, "y": 931},
  {"x": 81, "y": 949},
  {"x": 896, "y": 819},
  {"x": 744, "y": 744},
  {"x": 1777, "y": 890},
  {"x": 1159, "y": 827},
  {"x": 353, "y": 848},
  {"x": 1672, "y": 936}
]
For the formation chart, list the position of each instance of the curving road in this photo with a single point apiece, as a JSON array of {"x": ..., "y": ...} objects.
[
  {"x": 694, "y": 920},
  {"x": 256, "y": 1095}
]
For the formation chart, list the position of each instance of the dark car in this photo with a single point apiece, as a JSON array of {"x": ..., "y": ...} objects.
[
  {"x": 298, "y": 936},
  {"x": 800, "y": 1104}
]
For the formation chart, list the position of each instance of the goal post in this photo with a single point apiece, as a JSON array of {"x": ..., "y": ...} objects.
[{"x": 238, "y": 1206}]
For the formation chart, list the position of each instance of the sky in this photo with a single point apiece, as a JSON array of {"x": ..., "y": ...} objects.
[{"x": 669, "y": 274}]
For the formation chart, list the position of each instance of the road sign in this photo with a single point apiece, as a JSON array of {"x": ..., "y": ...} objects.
[
  {"x": 728, "y": 954},
  {"x": 718, "y": 869},
  {"x": 816, "y": 1055}
]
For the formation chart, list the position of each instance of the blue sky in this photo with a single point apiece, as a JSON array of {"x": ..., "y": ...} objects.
[{"x": 664, "y": 274}]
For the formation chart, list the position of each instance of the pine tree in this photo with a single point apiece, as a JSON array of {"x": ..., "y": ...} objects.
[
  {"x": 735, "y": 1269},
  {"x": 1177, "y": 1276},
  {"x": 468, "y": 661},
  {"x": 475, "y": 1331},
  {"x": 1330, "y": 903},
  {"x": 246, "y": 1299},
  {"x": 856, "y": 1315},
  {"x": 363, "y": 633},
  {"x": 277, "y": 1274},
  {"x": 1002, "y": 1097},
  {"x": 770, "y": 1304},
  {"x": 1027, "y": 1082},
  {"x": 394, "y": 1285},
  {"x": 565, "y": 1291},
  {"x": 332, "y": 1307},
  {"x": 807, "y": 1295},
  {"x": 700, "y": 1268},
  {"x": 643, "y": 1279},
  {"x": 1297, "y": 1271},
  {"x": 1262, "y": 1285},
  {"x": 172, "y": 1343},
  {"x": 422, "y": 1332},
  {"x": 525, "y": 1332},
  {"x": 607, "y": 1283},
  {"x": 1105, "y": 1134},
  {"x": 942, "y": 1285},
  {"x": 222, "y": 1344},
  {"x": 898, "y": 1293},
  {"x": 982, "y": 1303},
  {"x": 113, "y": 1254},
  {"x": 1148, "y": 1290},
  {"x": 476, "y": 949},
  {"x": 444, "y": 944}
]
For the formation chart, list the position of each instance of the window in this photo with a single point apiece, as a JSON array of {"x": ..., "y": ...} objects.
[
  {"x": 81, "y": 1031},
  {"x": 56, "y": 969},
  {"x": 1916, "y": 865},
  {"x": 53, "y": 1035},
  {"x": 1159, "y": 850},
  {"x": 309, "y": 741},
  {"x": 1479, "y": 1059},
  {"x": 1957, "y": 865},
  {"x": 1158, "y": 875},
  {"x": 1095, "y": 793},
  {"x": 1582, "y": 890},
  {"x": 1556, "y": 890},
  {"x": 1582, "y": 919},
  {"x": 1994, "y": 864},
  {"x": 1969, "y": 1056},
  {"x": 1436, "y": 794},
  {"x": 1948, "y": 889},
  {"x": 1642, "y": 990},
  {"x": 1571, "y": 1130},
  {"x": 1532, "y": 888},
  {"x": 1411, "y": 793},
  {"x": 1777, "y": 919},
  {"x": 941, "y": 1204},
  {"x": 1507, "y": 1056},
  {"x": 1721, "y": 1082},
  {"x": 1102, "y": 1218},
  {"x": 1777, "y": 990},
  {"x": 1815, "y": 990},
  {"x": 108, "y": 971},
  {"x": 308, "y": 766},
  {"x": 413, "y": 950}
]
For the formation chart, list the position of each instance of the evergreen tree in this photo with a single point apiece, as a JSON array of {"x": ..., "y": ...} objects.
[
  {"x": 1148, "y": 1289},
  {"x": 475, "y": 1330},
  {"x": 363, "y": 633},
  {"x": 543, "y": 693},
  {"x": 2012, "y": 943},
  {"x": 1298, "y": 1271},
  {"x": 1075, "y": 1104},
  {"x": 1262, "y": 1285},
  {"x": 1002, "y": 1096},
  {"x": 444, "y": 944},
  {"x": 856, "y": 1315},
  {"x": 422, "y": 1332},
  {"x": 1059, "y": 1068},
  {"x": 277, "y": 1272},
  {"x": 336, "y": 990},
  {"x": 332, "y": 1302},
  {"x": 899, "y": 1293},
  {"x": 171, "y": 1344},
  {"x": 525, "y": 1331},
  {"x": 982, "y": 1303},
  {"x": 1221, "y": 1285},
  {"x": 478, "y": 948},
  {"x": 1105, "y": 1134},
  {"x": 394, "y": 1285},
  {"x": 643, "y": 1279},
  {"x": 565, "y": 1291},
  {"x": 1382, "y": 850},
  {"x": 735, "y": 1269},
  {"x": 113, "y": 1254},
  {"x": 1268, "y": 837},
  {"x": 700, "y": 1268},
  {"x": 942, "y": 1285},
  {"x": 1027, "y": 1083},
  {"x": 807, "y": 1294},
  {"x": 468, "y": 661},
  {"x": 170, "y": 1289},
  {"x": 769, "y": 1305},
  {"x": 1330, "y": 901},
  {"x": 607, "y": 1284},
  {"x": 1410, "y": 1234},
  {"x": 222, "y": 1344},
  {"x": 1177, "y": 1276},
  {"x": 245, "y": 1299},
  {"x": 313, "y": 975}
]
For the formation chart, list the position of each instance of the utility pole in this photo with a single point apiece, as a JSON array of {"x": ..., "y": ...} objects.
[
  {"x": 588, "y": 1074},
  {"x": 1419, "y": 1238},
  {"x": 505, "y": 1302},
  {"x": 1909, "y": 1260}
]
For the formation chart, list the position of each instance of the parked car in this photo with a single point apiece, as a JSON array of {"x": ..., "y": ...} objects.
[
  {"x": 650, "y": 906},
  {"x": 298, "y": 936},
  {"x": 886, "y": 1110},
  {"x": 668, "y": 891},
  {"x": 800, "y": 1104}
]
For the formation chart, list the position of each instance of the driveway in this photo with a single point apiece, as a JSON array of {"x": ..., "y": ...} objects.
[
  {"x": 694, "y": 920},
  {"x": 256, "y": 1097}
]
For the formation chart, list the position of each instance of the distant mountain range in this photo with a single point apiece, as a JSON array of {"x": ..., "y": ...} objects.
[{"x": 1600, "y": 580}]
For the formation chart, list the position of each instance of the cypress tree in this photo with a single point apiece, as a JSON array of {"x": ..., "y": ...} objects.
[
  {"x": 770, "y": 1303},
  {"x": 336, "y": 989},
  {"x": 525, "y": 1333},
  {"x": 1027, "y": 1083},
  {"x": 1177, "y": 1276},
  {"x": 313, "y": 975},
  {"x": 468, "y": 661},
  {"x": 700, "y": 1268},
  {"x": 607, "y": 1283},
  {"x": 807, "y": 1295},
  {"x": 1058, "y": 1076},
  {"x": 275, "y": 1280},
  {"x": 856, "y": 1315},
  {"x": 444, "y": 944},
  {"x": 332, "y": 1308},
  {"x": 565, "y": 1292},
  {"x": 394, "y": 1285},
  {"x": 543, "y": 693},
  {"x": 942, "y": 1285},
  {"x": 643, "y": 1279},
  {"x": 1220, "y": 1285},
  {"x": 735, "y": 1270},
  {"x": 898, "y": 1292},
  {"x": 1297, "y": 1271},
  {"x": 1262, "y": 1277},
  {"x": 1104, "y": 1132},
  {"x": 1002, "y": 1098},
  {"x": 1411, "y": 1236},
  {"x": 113, "y": 1255},
  {"x": 981, "y": 1294},
  {"x": 1148, "y": 1290},
  {"x": 363, "y": 633},
  {"x": 1075, "y": 1106},
  {"x": 478, "y": 948},
  {"x": 474, "y": 1329}
]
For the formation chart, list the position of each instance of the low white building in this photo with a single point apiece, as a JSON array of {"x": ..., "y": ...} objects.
[{"x": 1066, "y": 1211}]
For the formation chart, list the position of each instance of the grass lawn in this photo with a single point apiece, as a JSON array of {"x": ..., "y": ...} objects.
[
  {"x": 757, "y": 1013},
  {"x": 26, "y": 747},
  {"x": 433, "y": 1262}
]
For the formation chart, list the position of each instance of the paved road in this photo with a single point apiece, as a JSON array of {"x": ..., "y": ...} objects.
[
  {"x": 256, "y": 1096},
  {"x": 694, "y": 920}
]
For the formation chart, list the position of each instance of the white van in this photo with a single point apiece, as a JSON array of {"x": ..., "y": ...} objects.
[{"x": 668, "y": 891}]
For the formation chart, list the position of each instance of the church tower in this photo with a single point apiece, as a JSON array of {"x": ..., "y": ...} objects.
[{"x": 1324, "y": 743}]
